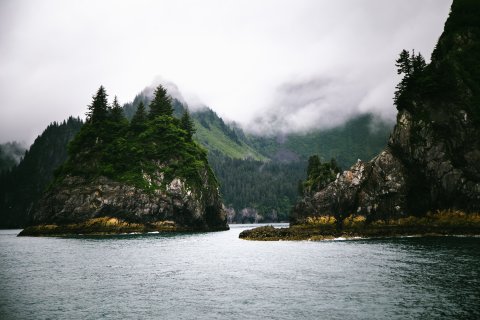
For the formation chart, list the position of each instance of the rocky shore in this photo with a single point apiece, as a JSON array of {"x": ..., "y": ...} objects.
[
  {"x": 328, "y": 228},
  {"x": 108, "y": 226},
  {"x": 104, "y": 206}
]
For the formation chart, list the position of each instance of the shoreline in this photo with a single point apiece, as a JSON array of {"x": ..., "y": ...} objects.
[
  {"x": 109, "y": 226},
  {"x": 317, "y": 228}
]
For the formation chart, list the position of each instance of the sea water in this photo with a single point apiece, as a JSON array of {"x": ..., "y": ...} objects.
[{"x": 219, "y": 276}]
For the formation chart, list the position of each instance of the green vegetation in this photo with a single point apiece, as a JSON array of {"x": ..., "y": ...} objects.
[
  {"x": 319, "y": 175},
  {"x": 268, "y": 187},
  {"x": 136, "y": 152},
  {"x": 411, "y": 67},
  {"x": 23, "y": 184},
  {"x": 359, "y": 138},
  {"x": 454, "y": 57},
  {"x": 216, "y": 136}
]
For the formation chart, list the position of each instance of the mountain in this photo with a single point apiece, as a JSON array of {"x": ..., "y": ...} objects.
[
  {"x": 211, "y": 131},
  {"x": 147, "y": 174},
  {"x": 23, "y": 184},
  {"x": 361, "y": 137}
]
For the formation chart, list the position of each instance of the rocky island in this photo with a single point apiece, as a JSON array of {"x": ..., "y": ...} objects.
[
  {"x": 145, "y": 175},
  {"x": 427, "y": 180}
]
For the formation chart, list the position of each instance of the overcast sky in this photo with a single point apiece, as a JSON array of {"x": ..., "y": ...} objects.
[{"x": 267, "y": 64}]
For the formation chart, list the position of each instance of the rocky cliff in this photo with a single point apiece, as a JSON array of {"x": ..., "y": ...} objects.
[
  {"x": 432, "y": 161},
  {"x": 177, "y": 207}
]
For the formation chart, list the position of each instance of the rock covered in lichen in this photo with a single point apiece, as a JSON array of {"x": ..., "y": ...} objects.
[{"x": 76, "y": 200}]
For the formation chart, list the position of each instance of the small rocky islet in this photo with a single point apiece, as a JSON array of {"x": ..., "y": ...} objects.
[
  {"x": 145, "y": 175},
  {"x": 427, "y": 180}
]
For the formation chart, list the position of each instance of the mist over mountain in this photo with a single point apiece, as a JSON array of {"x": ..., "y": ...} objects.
[
  {"x": 270, "y": 66},
  {"x": 10, "y": 154}
]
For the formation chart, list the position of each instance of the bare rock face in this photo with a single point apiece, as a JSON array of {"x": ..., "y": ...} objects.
[
  {"x": 432, "y": 161},
  {"x": 75, "y": 200},
  {"x": 372, "y": 189}
]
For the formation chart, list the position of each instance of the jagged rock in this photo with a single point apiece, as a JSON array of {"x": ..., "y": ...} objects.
[
  {"x": 76, "y": 199},
  {"x": 432, "y": 161},
  {"x": 371, "y": 189}
]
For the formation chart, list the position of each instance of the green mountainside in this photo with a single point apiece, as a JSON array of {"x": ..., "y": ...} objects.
[
  {"x": 211, "y": 131},
  {"x": 23, "y": 184},
  {"x": 361, "y": 137}
]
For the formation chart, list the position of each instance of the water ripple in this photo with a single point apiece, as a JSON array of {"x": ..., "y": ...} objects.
[{"x": 218, "y": 276}]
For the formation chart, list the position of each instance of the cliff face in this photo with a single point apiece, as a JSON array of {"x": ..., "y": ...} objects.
[
  {"x": 77, "y": 199},
  {"x": 432, "y": 160}
]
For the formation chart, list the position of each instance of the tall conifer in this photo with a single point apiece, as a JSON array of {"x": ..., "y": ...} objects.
[
  {"x": 139, "y": 118},
  {"x": 187, "y": 123},
  {"x": 98, "y": 110},
  {"x": 161, "y": 105}
]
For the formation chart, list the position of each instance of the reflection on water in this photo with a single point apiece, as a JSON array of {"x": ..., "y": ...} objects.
[{"x": 218, "y": 276}]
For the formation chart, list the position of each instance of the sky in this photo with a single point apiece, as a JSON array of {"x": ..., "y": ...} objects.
[{"x": 270, "y": 65}]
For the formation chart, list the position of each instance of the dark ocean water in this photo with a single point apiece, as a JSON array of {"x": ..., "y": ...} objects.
[{"x": 218, "y": 276}]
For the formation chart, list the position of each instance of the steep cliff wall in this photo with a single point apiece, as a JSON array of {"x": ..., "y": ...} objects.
[
  {"x": 77, "y": 199},
  {"x": 432, "y": 160}
]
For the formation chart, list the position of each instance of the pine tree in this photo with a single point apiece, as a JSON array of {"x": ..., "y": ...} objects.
[
  {"x": 98, "y": 110},
  {"x": 116, "y": 111},
  {"x": 418, "y": 63},
  {"x": 403, "y": 63},
  {"x": 139, "y": 118},
  {"x": 411, "y": 66},
  {"x": 187, "y": 124},
  {"x": 161, "y": 105},
  {"x": 313, "y": 165}
]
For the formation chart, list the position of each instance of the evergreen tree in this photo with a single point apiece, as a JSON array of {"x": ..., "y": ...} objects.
[
  {"x": 116, "y": 112},
  {"x": 418, "y": 63},
  {"x": 403, "y": 63},
  {"x": 319, "y": 175},
  {"x": 187, "y": 124},
  {"x": 410, "y": 66},
  {"x": 313, "y": 165},
  {"x": 139, "y": 118},
  {"x": 161, "y": 105},
  {"x": 98, "y": 110}
]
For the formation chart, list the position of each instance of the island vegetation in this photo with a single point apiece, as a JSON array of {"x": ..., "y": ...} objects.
[{"x": 147, "y": 174}]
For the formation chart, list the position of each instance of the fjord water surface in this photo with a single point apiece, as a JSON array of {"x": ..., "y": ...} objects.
[{"x": 218, "y": 276}]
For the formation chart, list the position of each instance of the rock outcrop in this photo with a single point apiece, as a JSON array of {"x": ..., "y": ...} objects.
[
  {"x": 183, "y": 207},
  {"x": 432, "y": 161},
  {"x": 76, "y": 200}
]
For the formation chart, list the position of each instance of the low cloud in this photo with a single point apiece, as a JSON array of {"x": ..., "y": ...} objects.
[
  {"x": 272, "y": 65},
  {"x": 11, "y": 151},
  {"x": 323, "y": 103}
]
